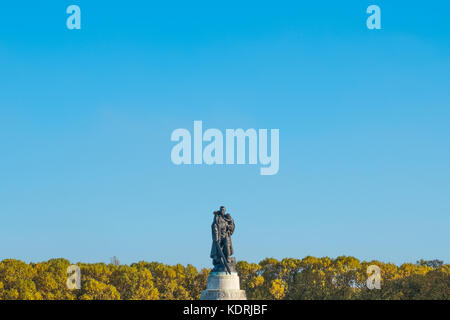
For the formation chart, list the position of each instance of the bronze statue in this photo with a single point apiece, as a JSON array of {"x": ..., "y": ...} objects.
[{"x": 222, "y": 248}]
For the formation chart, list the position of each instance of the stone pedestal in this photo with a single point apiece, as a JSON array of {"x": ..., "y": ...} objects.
[{"x": 223, "y": 286}]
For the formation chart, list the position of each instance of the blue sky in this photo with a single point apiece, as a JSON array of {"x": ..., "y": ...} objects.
[{"x": 86, "y": 117}]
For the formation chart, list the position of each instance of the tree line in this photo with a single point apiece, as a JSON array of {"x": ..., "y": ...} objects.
[{"x": 308, "y": 278}]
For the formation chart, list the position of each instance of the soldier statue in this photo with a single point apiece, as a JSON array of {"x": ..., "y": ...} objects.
[{"x": 222, "y": 248}]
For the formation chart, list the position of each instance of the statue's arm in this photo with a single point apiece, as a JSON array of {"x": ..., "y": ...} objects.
[
  {"x": 215, "y": 231},
  {"x": 231, "y": 226}
]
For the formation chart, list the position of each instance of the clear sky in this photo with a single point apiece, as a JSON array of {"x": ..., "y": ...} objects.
[{"x": 86, "y": 117}]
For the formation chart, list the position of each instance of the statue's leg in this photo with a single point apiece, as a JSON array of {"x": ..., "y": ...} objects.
[
  {"x": 223, "y": 246},
  {"x": 216, "y": 262},
  {"x": 226, "y": 249}
]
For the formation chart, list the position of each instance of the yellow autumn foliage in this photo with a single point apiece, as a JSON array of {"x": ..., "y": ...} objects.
[{"x": 308, "y": 278}]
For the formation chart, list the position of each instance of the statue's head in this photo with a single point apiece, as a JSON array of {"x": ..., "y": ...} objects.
[{"x": 223, "y": 210}]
